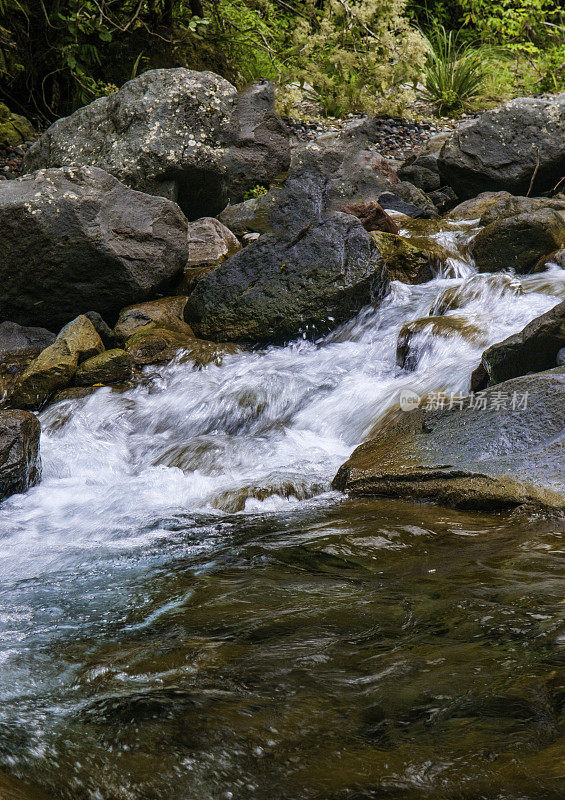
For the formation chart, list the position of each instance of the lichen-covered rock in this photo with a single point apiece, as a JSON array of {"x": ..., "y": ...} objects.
[
  {"x": 55, "y": 366},
  {"x": 20, "y": 464},
  {"x": 111, "y": 366},
  {"x": 504, "y": 149},
  {"x": 518, "y": 243},
  {"x": 165, "y": 313},
  {"x": 404, "y": 261},
  {"x": 533, "y": 349},
  {"x": 74, "y": 239},
  {"x": 503, "y": 452},
  {"x": 416, "y": 338},
  {"x": 306, "y": 280},
  {"x": 210, "y": 242},
  {"x": 14, "y": 129},
  {"x": 185, "y": 135}
]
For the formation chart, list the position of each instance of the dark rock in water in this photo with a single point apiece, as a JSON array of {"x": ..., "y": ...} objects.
[
  {"x": 479, "y": 378},
  {"x": 404, "y": 260},
  {"x": 280, "y": 286},
  {"x": 76, "y": 238},
  {"x": 503, "y": 148},
  {"x": 533, "y": 349},
  {"x": 16, "y": 339},
  {"x": 185, "y": 135},
  {"x": 506, "y": 451},
  {"x": 20, "y": 465},
  {"x": 518, "y": 243},
  {"x": 111, "y": 366},
  {"x": 372, "y": 216}
]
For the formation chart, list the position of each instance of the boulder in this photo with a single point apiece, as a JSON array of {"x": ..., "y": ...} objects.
[
  {"x": 112, "y": 366},
  {"x": 16, "y": 339},
  {"x": 250, "y": 215},
  {"x": 508, "y": 148},
  {"x": 303, "y": 281},
  {"x": 185, "y": 135},
  {"x": 533, "y": 349},
  {"x": 210, "y": 242},
  {"x": 14, "y": 129},
  {"x": 165, "y": 313},
  {"x": 513, "y": 206},
  {"x": 416, "y": 338},
  {"x": 55, "y": 366},
  {"x": 371, "y": 215},
  {"x": 404, "y": 261},
  {"x": 477, "y": 206},
  {"x": 504, "y": 451},
  {"x": 76, "y": 239},
  {"x": 518, "y": 243},
  {"x": 20, "y": 465}
]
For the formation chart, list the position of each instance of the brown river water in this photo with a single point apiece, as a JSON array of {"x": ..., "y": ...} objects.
[{"x": 188, "y": 612}]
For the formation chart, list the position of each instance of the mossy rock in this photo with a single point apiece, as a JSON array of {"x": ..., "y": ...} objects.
[
  {"x": 14, "y": 129},
  {"x": 165, "y": 313},
  {"x": 405, "y": 261},
  {"x": 112, "y": 366}
]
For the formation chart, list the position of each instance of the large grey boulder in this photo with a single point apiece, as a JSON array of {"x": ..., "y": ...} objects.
[
  {"x": 76, "y": 239},
  {"x": 185, "y": 135},
  {"x": 503, "y": 148},
  {"x": 304, "y": 281},
  {"x": 505, "y": 450},
  {"x": 16, "y": 339},
  {"x": 533, "y": 349},
  {"x": 20, "y": 465}
]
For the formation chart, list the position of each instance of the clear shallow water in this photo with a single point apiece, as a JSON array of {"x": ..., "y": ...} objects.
[{"x": 187, "y": 611}]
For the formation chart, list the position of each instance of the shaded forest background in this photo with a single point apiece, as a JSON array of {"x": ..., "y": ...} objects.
[{"x": 349, "y": 55}]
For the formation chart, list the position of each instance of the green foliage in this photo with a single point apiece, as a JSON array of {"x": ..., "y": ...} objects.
[
  {"x": 256, "y": 191},
  {"x": 454, "y": 72}
]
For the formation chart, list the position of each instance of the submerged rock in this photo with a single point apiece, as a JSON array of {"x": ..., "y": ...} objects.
[
  {"x": 76, "y": 238},
  {"x": 417, "y": 337},
  {"x": 518, "y": 242},
  {"x": 533, "y": 349},
  {"x": 185, "y": 135},
  {"x": 484, "y": 455},
  {"x": 20, "y": 464},
  {"x": 473, "y": 289},
  {"x": 520, "y": 143}
]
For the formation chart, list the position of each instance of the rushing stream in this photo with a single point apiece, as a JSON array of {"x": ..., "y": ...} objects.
[{"x": 187, "y": 612}]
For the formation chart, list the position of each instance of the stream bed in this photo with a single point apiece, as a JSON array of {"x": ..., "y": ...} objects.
[{"x": 188, "y": 612}]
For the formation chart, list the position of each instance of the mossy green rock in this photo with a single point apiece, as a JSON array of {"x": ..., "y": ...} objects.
[
  {"x": 112, "y": 366},
  {"x": 14, "y": 129},
  {"x": 404, "y": 261},
  {"x": 488, "y": 457},
  {"x": 166, "y": 313}
]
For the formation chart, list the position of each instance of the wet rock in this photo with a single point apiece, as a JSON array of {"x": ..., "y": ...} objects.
[
  {"x": 476, "y": 207},
  {"x": 416, "y": 338},
  {"x": 210, "y": 242},
  {"x": 518, "y": 243},
  {"x": 533, "y": 349},
  {"x": 20, "y": 464},
  {"x": 503, "y": 148},
  {"x": 492, "y": 456},
  {"x": 15, "y": 339},
  {"x": 554, "y": 258},
  {"x": 513, "y": 206},
  {"x": 306, "y": 280},
  {"x": 185, "y": 135},
  {"x": 153, "y": 345},
  {"x": 76, "y": 239},
  {"x": 55, "y": 366},
  {"x": 404, "y": 261},
  {"x": 14, "y": 129},
  {"x": 371, "y": 215},
  {"x": 165, "y": 313},
  {"x": 112, "y": 366}
]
